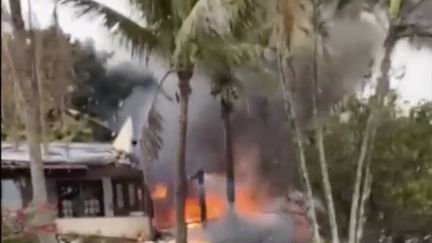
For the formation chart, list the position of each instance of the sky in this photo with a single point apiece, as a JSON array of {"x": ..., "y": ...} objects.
[{"x": 415, "y": 64}]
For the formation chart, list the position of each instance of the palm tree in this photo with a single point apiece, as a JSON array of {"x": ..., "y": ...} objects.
[
  {"x": 167, "y": 29},
  {"x": 297, "y": 32},
  {"x": 224, "y": 86},
  {"x": 237, "y": 43},
  {"x": 25, "y": 77}
]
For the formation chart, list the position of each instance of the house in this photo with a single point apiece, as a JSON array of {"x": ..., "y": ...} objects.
[{"x": 83, "y": 179}]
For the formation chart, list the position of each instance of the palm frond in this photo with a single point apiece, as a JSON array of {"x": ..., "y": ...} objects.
[
  {"x": 231, "y": 54},
  {"x": 154, "y": 12},
  {"x": 130, "y": 32},
  {"x": 245, "y": 17},
  {"x": 165, "y": 18},
  {"x": 206, "y": 19},
  {"x": 151, "y": 139},
  {"x": 214, "y": 21}
]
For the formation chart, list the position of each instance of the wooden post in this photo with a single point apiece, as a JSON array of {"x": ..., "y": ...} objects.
[{"x": 199, "y": 176}]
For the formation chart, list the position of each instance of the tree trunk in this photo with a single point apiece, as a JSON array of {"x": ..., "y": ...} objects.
[
  {"x": 147, "y": 201},
  {"x": 291, "y": 119},
  {"x": 180, "y": 167},
  {"x": 226, "y": 109},
  {"x": 371, "y": 126},
  {"x": 356, "y": 194},
  {"x": 31, "y": 115},
  {"x": 201, "y": 196},
  {"x": 35, "y": 57},
  {"x": 331, "y": 211},
  {"x": 327, "y": 186},
  {"x": 366, "y": 191},
  {"x": 285, "y": 29}
]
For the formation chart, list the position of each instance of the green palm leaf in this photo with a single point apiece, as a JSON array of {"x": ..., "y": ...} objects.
[
  {"x": 131, "y": 33},
  {"x": 214, "y": 24},
  {"x": 232, "y": 54}
]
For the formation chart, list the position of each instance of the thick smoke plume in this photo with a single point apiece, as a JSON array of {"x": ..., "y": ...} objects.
[
  {"x": 352, "y": 46},
  {"x": 259, "y": 125},
  {"x": 263, "y": 151}
]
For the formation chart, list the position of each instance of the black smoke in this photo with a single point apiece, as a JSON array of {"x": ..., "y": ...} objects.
[{"x": 101, "y": 91}]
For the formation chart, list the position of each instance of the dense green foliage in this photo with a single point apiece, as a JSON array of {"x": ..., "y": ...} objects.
[{"x": 401, "y": 163}]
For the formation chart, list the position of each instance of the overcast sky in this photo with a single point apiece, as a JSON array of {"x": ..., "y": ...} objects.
[{"x": 416, "y": 84}]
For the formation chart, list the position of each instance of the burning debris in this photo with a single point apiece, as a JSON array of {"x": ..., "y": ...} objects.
[{"x": 253, "y": 219}]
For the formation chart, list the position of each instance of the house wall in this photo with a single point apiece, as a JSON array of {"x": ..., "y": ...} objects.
[{"x": 106, "y": 175}]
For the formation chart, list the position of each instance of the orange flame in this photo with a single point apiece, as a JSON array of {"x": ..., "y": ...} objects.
[
  {"x": 216, "y": 203},
  {"x": 160, "y": 192}
]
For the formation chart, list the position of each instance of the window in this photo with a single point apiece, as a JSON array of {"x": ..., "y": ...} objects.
[
  {"x": 10, "y": 194},
  {"x": 126, "y": 196},
  {"x": 80, "y": 198}
]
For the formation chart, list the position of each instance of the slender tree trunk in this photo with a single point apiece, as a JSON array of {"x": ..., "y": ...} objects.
[
  {"x": 202, "y": 199},
  {"x": 366, "y": 191},
  {"x": 327, "y": 186},
  {"x": 180, "y": 171},
  {"x": 285, "y": 33},
  {"x": 331, "y": 211},
  {"x": 371, "y": 126},
  {"x": 291, "y": 119},
  {"x": 226, "y": 109},
  {"x": 36, "y": 51},
  {"x": 147, "y": 202},
  {"x": 356, "y": 194},
  {"x": 31, "y": 115}
]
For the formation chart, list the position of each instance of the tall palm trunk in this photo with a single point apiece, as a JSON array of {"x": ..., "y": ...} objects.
[
  {"x": 292, "y": 120},
  {"x": 35, "y": 57},
  {"x": 288, "y": 15},
  {"x": 28, "y": 86},
  {"x": 370, "y": 130},
  {"x": 327, "y": 185},
  {"x": 366, "y": 191},
  {"x": 180, "y": 167},
  {"x": 331, "y": 212},
  {"x": 226, "y": 109}
]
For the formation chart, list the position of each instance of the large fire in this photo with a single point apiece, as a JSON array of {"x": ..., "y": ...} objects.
[{"x": 216, "y": 205}]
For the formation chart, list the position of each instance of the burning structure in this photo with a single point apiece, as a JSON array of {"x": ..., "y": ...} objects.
[
  {"x": 265, "y": 209},
  {"x": 264, "y": 154}
]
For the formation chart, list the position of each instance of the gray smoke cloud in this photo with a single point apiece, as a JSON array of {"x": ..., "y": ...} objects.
[
  {"x": 352, "y": 46},
  {"x": 260, "y": 123}
]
